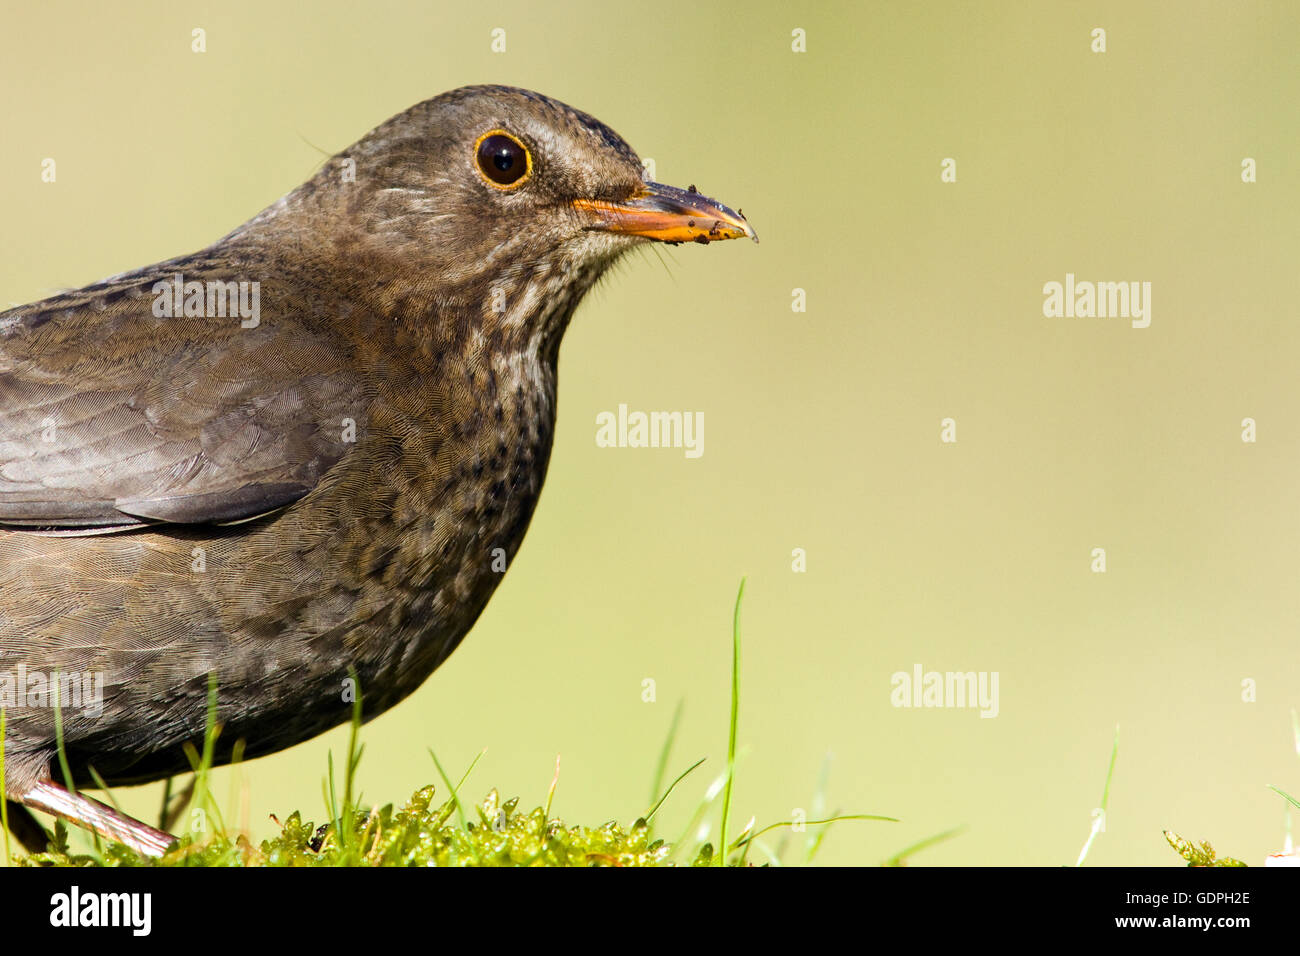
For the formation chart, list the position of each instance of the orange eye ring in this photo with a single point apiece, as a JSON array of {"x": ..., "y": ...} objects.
[{"x": 502, "y": 160}]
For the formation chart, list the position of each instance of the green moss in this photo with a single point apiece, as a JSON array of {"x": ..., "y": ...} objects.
[
  {"x": 1198, "y": 854},
  {"x": 417, "y": 834}
]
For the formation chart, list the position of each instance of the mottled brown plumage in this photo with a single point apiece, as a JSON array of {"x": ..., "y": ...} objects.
[{"x": 278, "y": 502}]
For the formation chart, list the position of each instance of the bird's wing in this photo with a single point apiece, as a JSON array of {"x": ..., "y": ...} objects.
[{"x": 112, "y": 417}]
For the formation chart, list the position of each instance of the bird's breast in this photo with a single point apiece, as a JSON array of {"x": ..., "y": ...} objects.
[{"x": 433, "y": 512}]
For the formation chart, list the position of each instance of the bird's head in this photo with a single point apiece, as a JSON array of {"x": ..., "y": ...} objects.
[{"x": 508, "y": 198}]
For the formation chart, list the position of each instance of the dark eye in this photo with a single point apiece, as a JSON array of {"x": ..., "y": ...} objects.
[{"x": 502, "y": 159}]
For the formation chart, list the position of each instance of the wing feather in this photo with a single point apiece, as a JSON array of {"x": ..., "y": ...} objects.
[{"x": 112, "y": 418}]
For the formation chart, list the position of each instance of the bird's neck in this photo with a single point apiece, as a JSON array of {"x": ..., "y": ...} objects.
[{"x": 520, "y": 300}]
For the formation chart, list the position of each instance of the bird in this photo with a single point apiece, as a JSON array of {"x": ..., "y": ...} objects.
[{"x": 300, "y": 459}]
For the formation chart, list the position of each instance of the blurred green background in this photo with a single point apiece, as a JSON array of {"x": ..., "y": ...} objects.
[{"x": 924, "y": 301}]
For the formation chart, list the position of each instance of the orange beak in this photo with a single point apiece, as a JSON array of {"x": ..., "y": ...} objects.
[{"x": 666, "y": 214}]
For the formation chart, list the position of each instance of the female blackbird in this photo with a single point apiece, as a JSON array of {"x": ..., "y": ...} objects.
[{"x": 306, "y": 452}]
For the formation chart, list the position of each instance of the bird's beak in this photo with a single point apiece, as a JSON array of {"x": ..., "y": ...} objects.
[{"x": 666, "y": 214}]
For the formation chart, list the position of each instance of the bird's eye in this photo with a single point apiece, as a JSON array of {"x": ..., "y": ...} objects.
[{"x": 504, "y": 161}]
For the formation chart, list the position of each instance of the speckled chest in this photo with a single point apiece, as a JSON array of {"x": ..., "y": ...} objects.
[{"x": 450, "y": 470}]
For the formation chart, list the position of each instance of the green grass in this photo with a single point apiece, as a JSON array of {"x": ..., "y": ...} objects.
[
  {"x": 425, "y": 831},
  {"x": 1099, "y": 817},
  {"x": 428, "y": 832}
]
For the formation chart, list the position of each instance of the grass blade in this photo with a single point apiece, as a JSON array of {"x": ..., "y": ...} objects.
[
  {"x": 1099, "y": 819},
  {"x": 747, "y": 838},
  {"x": 455, "y": 795},
  {"x": 735, "y": 719},
  {"x": 660, "y": 802},
  {"x": 354, "y": 754},
  {"x": 900, "y": 858},
  {"x": 550, "y": 793},
  {"x": 1284, "y": 794},
  {"x": 661, "y": 768}
]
